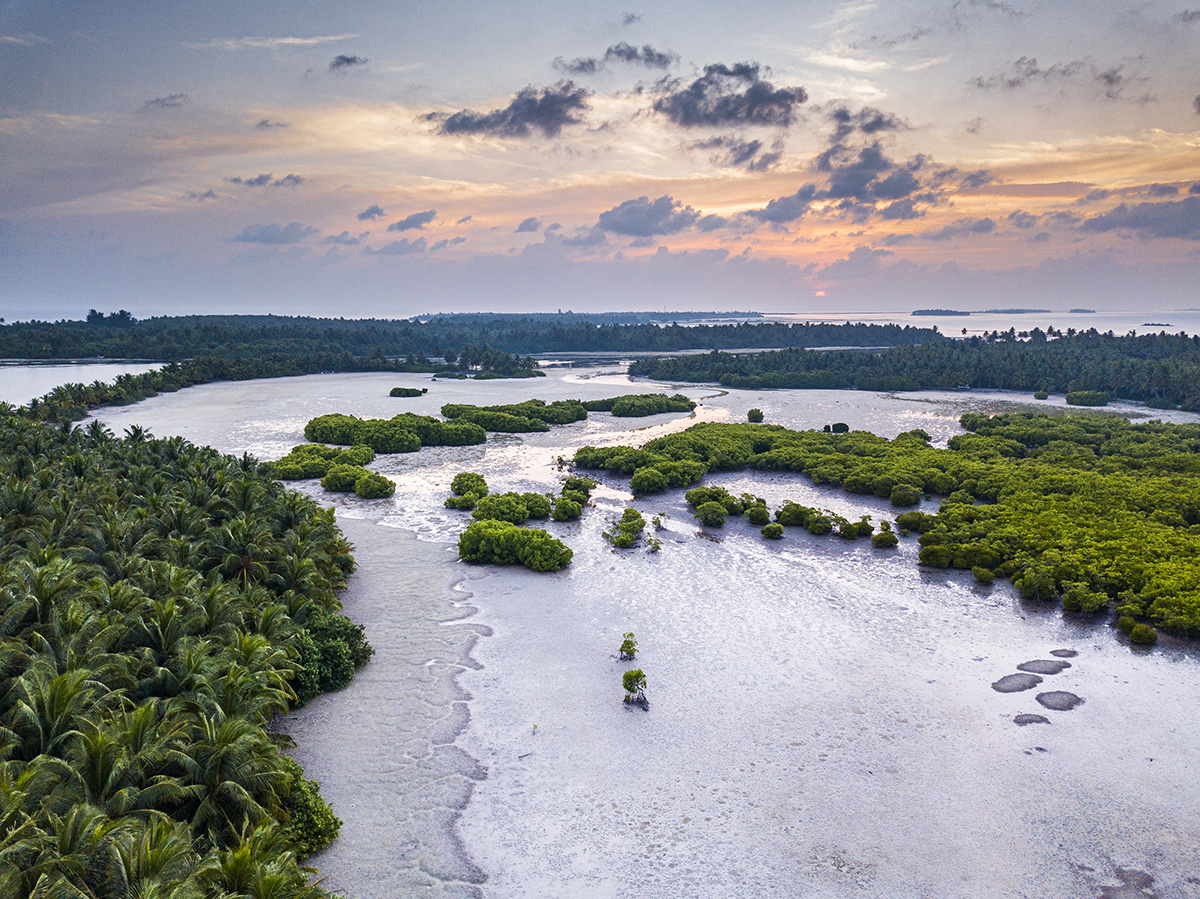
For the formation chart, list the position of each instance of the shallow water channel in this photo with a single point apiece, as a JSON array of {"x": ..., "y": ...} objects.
[{"x": 822, "y": 720}]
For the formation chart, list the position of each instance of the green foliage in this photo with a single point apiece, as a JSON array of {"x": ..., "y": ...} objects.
[
  {"x": 493, "y": 542},
  {"x": 1144, "y": 634},
  {"x": 711, "y": 514},
  {"x": 754, "y": 415},
  {"x": 884, "y": 540},
  {"x": 163, "y": 604},
  {"x": 311, "y": 824},
  {"x": 634, "y": 683},
  {"x": 407, "y": 391},
  {"x": 566, "y": 509},
  {"x": 628, "y": 649},
  {"x": 464, "y": 503},
  {"x": 648, "y": 480},
  {"x": 468, "y": 482},
  {"x": 624, "y": 533},
  {"x": 342, "y": 478},
  {"x": 1087, "y": 398},
  {"x": 508, "y": 507},
  {"x": 374, "y": 486},
  {"x": 905, "y": 495},
  {"x": 839, "y": 427},
  {"x": 758, "y": 515},
  {"x": 579, "y": 485},
  {"x": 537, "y": 504},
  {"x": 386, "y": 437},
  {"x": 773, "y": 531},
  {"x": 1041, "y": 395}
]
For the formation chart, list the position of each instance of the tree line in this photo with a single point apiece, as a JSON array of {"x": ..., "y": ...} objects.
[
  {"x": 1162, "y": 370},
  {"x": 162, "y": 603}
]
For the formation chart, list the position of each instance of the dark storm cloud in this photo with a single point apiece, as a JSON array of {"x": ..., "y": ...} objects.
[
  {"x": 447, "y": 242},
  {"x": 293, "y": 232},
  {"x": 342, "y": 62},
  {"x": 786, "y": 209},
  {"x": 729, "y": 95},
  {"x": 962, "y": 228},
  {"x": 851, "y": 175},
  {"x": 267, "y": 123},
  {"x": 265, "y": 180},
  {"x": 417, "y": 220},
  {"x": 402, "y": 247},
  {"x": 1179, "y": 218},
  {"x": 530, "y": 225},
  {"x": 739, "y": 153},
  {"x": 548, "y": 109},
  {"x": 172, "y": 101},
  {"x": 644, "y": 218},
  {"x": 372, "y": 212},
  {"x": 1026, "y": 70}
]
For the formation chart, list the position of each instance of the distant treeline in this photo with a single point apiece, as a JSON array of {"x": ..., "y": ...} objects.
[
  {"x": 119, "y": 335},
  {"x": 71, "y": 402},
  {"x": 1162, "y": 370}
]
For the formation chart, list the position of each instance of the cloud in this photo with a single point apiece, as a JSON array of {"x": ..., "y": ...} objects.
[
  {"x": 713, "y": 223},
  {"x": 265, "y": 180},
  {"x": 1162, "y": 190},
  {"x": 372, "y": 212},
  {"x": 344, "y": 239},
  {"x": 1019, "y": 219},
  {"x": 463, "y": 220},
  {"x": 976, "y": 179},
  {"x": 1025, "y": 70},
  {"x": 642, "y": 217},
  {"x": 267, "y": 123},
  {"x": 529, "y": 225},
  {"x": 1187, "y": 16},
  {"x": 786, "y": 209},
  {"x": 1195, "y": 188},
  {"x": 630, "y": 18},
  {"x": 729, "y": 95},
  {"x": 293, "y": 232},
  {"x": 862, "y": 262},
  {"x": 867, "y": 120},
  {"x": 267, "y": 43},
  {"x": 901, "y": 210},
  {"x": 962, "y": 228},
  {"x": 1178, "y": 218},
  {"x": 741, "y": 153},
  {"x": 641, "y": 56},
  {"x": 451, "y": 242},
  {"x": 594, "y": 237},
  {"x": 1196, "y": 104},
  {"x": 549, "y": 110},
  {"x": 417, "y": 220},
  {"x": 22, "y": 40},
  {"x": 343, "y": 63},
  {"x": 401, "y": 247},
  {"x": 171, "y": 101},
  {"x": 209, "y": 194},
  {"x": 623, "y": 52}
]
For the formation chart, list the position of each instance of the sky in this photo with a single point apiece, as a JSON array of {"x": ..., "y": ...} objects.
[{"x": 393, "y": 159}]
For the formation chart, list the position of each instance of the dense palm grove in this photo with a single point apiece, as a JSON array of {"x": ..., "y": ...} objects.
[
  {"x": 1160, "y": 369},
  {"x": 1093, "y": 512},
  {"x": 162, "y": 603},
  {"x": 247, "y": 336}
]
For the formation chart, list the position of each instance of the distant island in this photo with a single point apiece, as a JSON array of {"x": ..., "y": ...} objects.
[
  {"x": 1156, "y": 324},
  {"x": 939, "y": 312},
  {"x": 1084, "y": 311}
]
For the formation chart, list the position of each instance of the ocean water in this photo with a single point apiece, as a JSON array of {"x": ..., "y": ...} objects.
[
  {"x": 821, "y": 721},
  {"x": 20, "y": 383}
]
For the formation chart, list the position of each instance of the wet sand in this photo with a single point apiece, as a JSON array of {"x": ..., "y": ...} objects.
[{"x": 383, "y": 748}]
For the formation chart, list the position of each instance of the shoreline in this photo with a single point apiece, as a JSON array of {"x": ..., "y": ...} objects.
[{"x": 384, "y": 748}]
